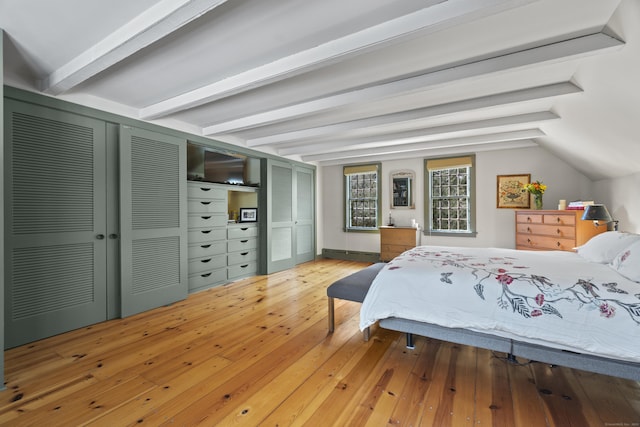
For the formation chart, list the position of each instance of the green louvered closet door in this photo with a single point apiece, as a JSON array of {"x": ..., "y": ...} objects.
[
  {"x": 55, "y": 219},
  {"x": 153, "y": 220}
]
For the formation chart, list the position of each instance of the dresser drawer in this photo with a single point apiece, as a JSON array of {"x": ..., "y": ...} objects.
[
  {"x": 547, "y": 230},
  {"x": 544, "y": 243},
  {"x": 528, "y": 218},
  {"x": 206, "y": 249},
  {"x": 241, "y": 270},
  {"x": 396, "y": 248},
  {"x": 242, "y": 257},
  {"x": 239, "y": 232},
  {"x": 398, "y": 236},
  {"x": 207, "y": 279},
  {"x": 202, "y": 190},
  {"x": 207, "y": 206},
  {"x": 206, "y": 235},
  {"x": 198, "y": 265},
  {"x": 560, "y": 219},
  {"x": 242, "y": 244},
  {"x": 207, "y": 220}
]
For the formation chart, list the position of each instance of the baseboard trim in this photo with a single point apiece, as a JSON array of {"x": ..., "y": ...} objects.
[{"x": 351, "y": 255}]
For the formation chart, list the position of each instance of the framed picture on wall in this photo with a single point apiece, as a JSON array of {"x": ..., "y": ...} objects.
[
  {"x": 511, "y": 192},
  {"x": 248, "y": 215}
]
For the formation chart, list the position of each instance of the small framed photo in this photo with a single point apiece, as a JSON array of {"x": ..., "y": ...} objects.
[
  {"x": 248, "y": 214},
  {"x": 511, "y": 191}
]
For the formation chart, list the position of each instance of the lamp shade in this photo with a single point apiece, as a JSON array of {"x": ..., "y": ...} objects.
[{"x": 596, "y": 213}]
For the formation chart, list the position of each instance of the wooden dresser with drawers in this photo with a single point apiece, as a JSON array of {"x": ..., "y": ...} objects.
[
  {"x": 553, "y": 230},
  {"x": 395, "y": 240}
]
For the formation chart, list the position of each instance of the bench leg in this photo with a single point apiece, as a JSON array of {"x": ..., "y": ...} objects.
[
  {"x": 366, "y": 333},
  {"x": 331, "y": 315}
]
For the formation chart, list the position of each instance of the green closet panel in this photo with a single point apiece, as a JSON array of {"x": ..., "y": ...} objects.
[
  {"x": 55, "y": 222},
  {"x": 280, "y": 225},
  {"x": 153, "y": 220},
  {"x": 305, "y": 215},
  {"x": 290, "y": 218}
]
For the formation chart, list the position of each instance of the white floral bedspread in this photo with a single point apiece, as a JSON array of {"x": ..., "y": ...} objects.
[{"x": 554, "y": 298}]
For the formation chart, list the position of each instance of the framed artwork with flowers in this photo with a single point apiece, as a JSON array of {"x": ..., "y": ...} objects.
[{"x": 512, "y": 191}]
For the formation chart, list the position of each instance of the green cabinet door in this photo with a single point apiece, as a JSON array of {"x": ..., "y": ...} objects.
[
  {"x": 153, "y": 220},
  {"x": 55, "y": 222}
]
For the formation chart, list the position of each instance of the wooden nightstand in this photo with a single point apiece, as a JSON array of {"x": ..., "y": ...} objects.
[
  {"x": 395, "y": 240},
  {"x": 553, "y": 230}
]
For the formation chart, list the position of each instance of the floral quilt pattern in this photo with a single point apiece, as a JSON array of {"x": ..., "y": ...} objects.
[{"x": 524, "y": 292}]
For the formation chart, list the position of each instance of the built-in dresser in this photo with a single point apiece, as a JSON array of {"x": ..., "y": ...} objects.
[{"x": 220, "y": 250}]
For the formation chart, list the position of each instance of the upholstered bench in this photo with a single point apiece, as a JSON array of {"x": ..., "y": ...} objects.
[{"x": 354, "y": 287}]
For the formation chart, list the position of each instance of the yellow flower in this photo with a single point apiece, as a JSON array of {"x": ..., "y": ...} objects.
[{"x": 536, "y": 187}]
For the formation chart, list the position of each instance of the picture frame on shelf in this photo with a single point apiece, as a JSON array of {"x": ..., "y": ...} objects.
[
  {"x": 511, "y": 193},
  {"x": 248, "y": 215}
]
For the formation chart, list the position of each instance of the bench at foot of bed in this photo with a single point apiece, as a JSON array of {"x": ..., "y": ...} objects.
[{"x": 354, "y": 287}]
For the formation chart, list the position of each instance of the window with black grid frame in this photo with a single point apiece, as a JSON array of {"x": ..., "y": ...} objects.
[{"x": 450, "y": 195}]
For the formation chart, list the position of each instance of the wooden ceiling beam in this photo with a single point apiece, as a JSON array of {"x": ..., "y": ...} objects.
[
  {"x": 517, "y": 96},
  {"x": 155, "y": 23},
  {"x": 438, "y": 15},
  {"x": 572, "y": 48},
  {"x": 408, "y": 149},
  {"x": 337, "y": 143}
]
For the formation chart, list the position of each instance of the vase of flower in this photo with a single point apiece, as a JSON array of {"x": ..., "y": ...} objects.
[
  {"x": 536, "y": 188},
  {"x": 537, "y": 201}
]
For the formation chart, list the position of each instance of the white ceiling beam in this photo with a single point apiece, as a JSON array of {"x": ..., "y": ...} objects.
[
  {"x": 153, "y": 24},
  {"x": 554, "y": 52},
  {"x": 417, "y": 135},
  {"x": 428, "y": 20},
  {"x": 505, "y": 145},
  {"x": 522, "y": 95},
  {"x": 419, "y": 146}
]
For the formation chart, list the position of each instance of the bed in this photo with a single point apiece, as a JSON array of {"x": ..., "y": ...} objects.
[{"x": 577, "y": 309}]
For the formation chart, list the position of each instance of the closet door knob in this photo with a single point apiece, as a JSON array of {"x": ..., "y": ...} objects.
[
  {"x": 100, "y": 236},
  {"x": 113, "y": 236}
]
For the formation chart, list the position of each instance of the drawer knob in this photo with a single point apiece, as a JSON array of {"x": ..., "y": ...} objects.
[
  {"x": 205, "y": 246},
  {"x": 528, "y": 219},
  {"x": 559, "y": 231},
  {"x": 243, "y": 241},
  {"x": 244, "y": 266},
  {"x": 206, "y": 231},
  {"x": 205, "y": 203},
  {"x": 244, "y": 253},
  {"x": 529, "y": 229},
  {"x": 205, "y": 260},
  {"x": 205, "y": 188},
  {"x": 205, "y": 275},
  {"x": 528, "y": 240},
  {"x": 244, "y": 228},
  {"x": 558, "y": 220},
  {"x": 558, "y": 244},
  {"x": 206, "y": 217}
]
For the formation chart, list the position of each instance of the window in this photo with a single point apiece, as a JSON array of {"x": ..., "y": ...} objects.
[
  {"x": 450, "y": 199},
  {"x": 362, "y": 197}
]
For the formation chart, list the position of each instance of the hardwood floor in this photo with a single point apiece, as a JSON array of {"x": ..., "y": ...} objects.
[{"x": 257, "y": 352}]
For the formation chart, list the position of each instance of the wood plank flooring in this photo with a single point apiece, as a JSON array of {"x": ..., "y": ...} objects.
[{"x": 257, "y": 352}]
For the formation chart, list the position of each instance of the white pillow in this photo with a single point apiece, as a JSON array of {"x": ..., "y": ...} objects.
[
  {"x": 604, "y": 247},
  {"x": 627, "y": 262}
]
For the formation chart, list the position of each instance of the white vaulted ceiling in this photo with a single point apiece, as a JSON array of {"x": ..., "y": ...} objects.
[{"x": 345, "y": 81}]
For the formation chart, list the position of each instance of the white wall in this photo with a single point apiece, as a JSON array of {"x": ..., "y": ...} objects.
[
  {"x": 496, "y": 227},
  {"x": 622, "y": 198}
]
